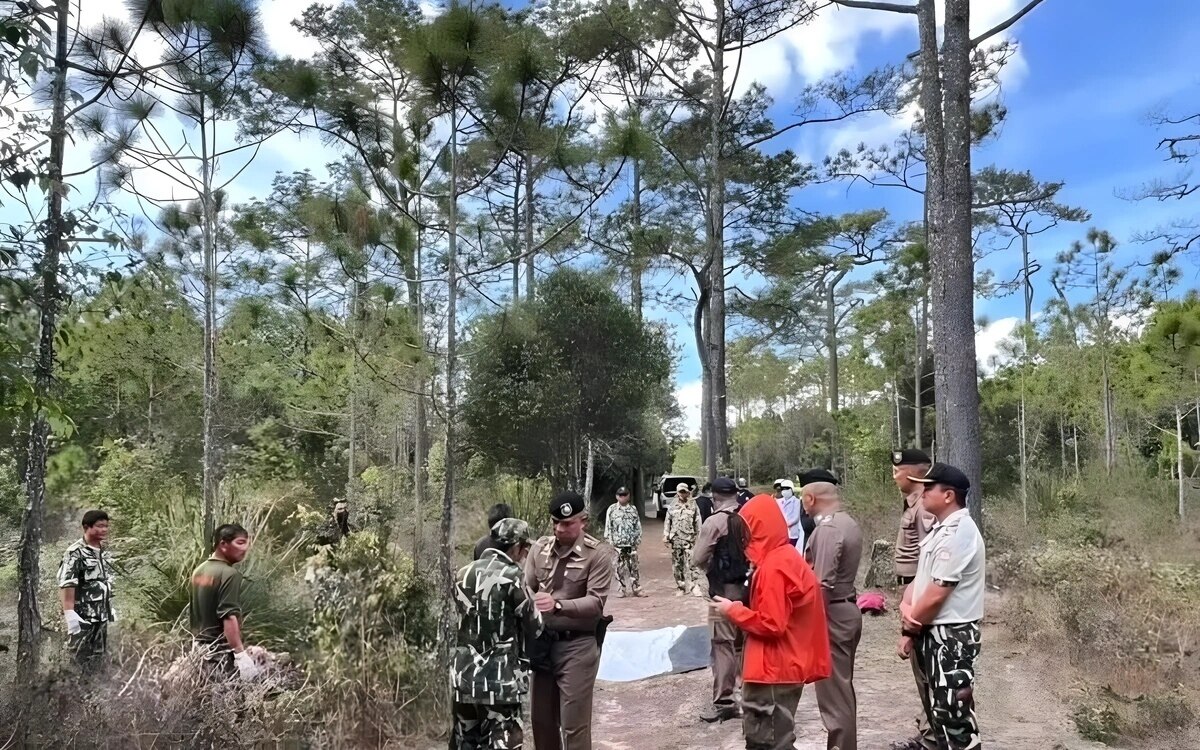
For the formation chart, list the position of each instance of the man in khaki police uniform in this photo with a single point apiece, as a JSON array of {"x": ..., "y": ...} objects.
[
  {"x": 915, "y": 524},
  {"x": 834, "y": 551},
  {"x": 569, "y": 574}
]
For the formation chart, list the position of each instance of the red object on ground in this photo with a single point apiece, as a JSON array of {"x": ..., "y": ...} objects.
[
  {"x": 872, "y": 602},
  {"x": 787, "y": 640}
]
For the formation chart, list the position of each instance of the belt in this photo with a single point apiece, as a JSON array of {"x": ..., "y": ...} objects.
[
  {"x": 570, "y": 635},
  {"x": 843, "y": 600},
  {"x": 905, "y": 580}
]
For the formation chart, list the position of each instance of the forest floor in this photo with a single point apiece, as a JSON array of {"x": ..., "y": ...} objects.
[{"x": 1021, "y": 696}]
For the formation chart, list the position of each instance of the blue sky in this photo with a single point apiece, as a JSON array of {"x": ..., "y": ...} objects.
[{"x": 1079, "y": 93}]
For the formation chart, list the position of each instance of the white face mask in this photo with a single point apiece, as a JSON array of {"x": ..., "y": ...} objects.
[{"x": 786, "y": 492}]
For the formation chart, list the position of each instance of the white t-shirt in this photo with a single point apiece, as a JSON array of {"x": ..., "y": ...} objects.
[{"x": 953, "y": 552}]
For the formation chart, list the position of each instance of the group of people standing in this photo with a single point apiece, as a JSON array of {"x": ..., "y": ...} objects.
[{"x": 780, "y": 575}]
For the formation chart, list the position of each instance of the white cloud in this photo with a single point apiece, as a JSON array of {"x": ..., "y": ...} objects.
[
  {"x": 988, "y": 340},
  {"x": 689, "y": 396},
  {"x": 283, "y": 38}
]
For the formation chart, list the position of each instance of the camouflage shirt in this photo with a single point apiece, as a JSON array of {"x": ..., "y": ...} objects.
[
  {"x": 623, "y": 525},
  {"x": 683, "y": 523},
  {"x": 88, "y": 571},
  {"x": 495, "y": 612}
]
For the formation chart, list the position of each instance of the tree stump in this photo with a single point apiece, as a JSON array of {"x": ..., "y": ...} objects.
[{"x": 881, "y": 572}]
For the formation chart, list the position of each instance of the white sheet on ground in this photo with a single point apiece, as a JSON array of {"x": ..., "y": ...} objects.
[{"x": 637, "y": 654}]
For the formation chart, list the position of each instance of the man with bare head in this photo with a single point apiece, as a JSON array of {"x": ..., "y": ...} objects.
[{"x": 834, "y": 550}]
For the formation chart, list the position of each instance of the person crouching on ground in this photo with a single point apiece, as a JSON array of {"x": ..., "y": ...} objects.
[{"x": 787, "y": 643}]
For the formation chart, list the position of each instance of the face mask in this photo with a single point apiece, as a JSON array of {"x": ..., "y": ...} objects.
[{"x": 787, "y": 492}]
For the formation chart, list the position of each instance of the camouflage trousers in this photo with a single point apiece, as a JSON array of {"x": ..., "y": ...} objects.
[
  {"x": 629, "y": 574},
  {"x": 681, "y": 565},
  {"x": 89, "y": 646},
  {"x": 948, "y": 654},
  {"x": 483, "y": 727}
]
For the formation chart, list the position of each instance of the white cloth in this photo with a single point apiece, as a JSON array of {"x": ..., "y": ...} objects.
[
  {"x": 246, "y": 667},
  {"x": 790, "y": 507},
  {"x": 953, "y": 552},
  {"x": 74, "y": 622}
]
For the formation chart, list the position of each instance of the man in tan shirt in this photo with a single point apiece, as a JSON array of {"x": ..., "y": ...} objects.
[
  {"x": 915, "y": 525},
  {"x": 834, "y": 551},
  {"x": 570, "y": 574},
  {"x": 712, "y": 555}
]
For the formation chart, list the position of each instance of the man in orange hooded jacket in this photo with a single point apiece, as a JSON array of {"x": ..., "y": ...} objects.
[{"x": 787, "y": 643}]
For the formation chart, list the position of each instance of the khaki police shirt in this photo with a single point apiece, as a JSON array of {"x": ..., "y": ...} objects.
[
  {"x": 915, "y": 525},
  {"x": 588, "y": 574},
  {"x": 834, "y": 553},
  {"x": 953, "y": 553}
]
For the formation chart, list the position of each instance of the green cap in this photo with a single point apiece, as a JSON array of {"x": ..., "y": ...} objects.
[{"x": 510, "y": 531}]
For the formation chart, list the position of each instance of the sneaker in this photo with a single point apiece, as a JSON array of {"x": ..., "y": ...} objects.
[
  {"x": 679, "y": 592},
  {"x": 720, "y": 712},
  {"x": 639, "y": 592},
  {"x": 697, "y": 592}
]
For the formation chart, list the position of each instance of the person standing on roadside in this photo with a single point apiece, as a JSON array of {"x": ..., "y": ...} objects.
[
  {"x": 215, "y": 607},
  {"x": 721, "y": 551},
  {"x": 679, "y": 532},
  {"x": 743, "y": 492},
  {"x": 570, "y": 574},
  {"x": 489, "y": 670},
  {"x": 942, "y": 610},
  {"x": 834, "y": 552},
  {"x": 623, "y": 530},
  {"x": 787, "y": 643},
  {"x": 915, "y": 524},
  {"x": 85, "y": 588},
  {"x": 789, "y": 505}
]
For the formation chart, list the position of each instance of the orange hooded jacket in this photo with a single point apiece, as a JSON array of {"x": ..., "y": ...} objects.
[{"x": 787, "y": 641}]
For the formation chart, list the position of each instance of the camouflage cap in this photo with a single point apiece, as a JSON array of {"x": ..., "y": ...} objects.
[{"x": 510, "y": 531}]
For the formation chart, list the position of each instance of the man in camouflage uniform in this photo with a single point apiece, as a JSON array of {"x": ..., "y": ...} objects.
[
  {"x": 337, "y": 527},
  {"x": 942, "y": 610},
  {"x": 623, "y": 530},
  {"x": 85, "y": 586},
  {"x": 680, "y": 531},
  {"x": 489, "y": 671}
]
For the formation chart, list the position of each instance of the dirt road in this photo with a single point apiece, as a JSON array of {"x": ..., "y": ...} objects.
[{"x": 1018, "y": 706}]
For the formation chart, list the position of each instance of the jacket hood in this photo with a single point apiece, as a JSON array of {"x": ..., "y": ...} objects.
[{"x": 767, "y": 527}]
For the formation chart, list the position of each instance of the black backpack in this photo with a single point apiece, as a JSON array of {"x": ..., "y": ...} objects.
[{"x": 729, "y": 563}]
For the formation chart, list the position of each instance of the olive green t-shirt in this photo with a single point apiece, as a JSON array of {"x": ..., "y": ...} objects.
[{"x": 216, "y": 594}]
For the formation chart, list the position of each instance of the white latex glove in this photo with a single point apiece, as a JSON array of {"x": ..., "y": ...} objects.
[
  {"x": 74, "y": 622},
  {"x": 246, "y": 667},
  {"x": 112, "y": 615}
]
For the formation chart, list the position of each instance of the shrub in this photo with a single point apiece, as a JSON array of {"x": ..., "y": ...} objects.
[{"x": 1097, "y": 720}]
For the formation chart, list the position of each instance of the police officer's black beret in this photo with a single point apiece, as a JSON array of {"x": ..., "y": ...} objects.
[
  {"x": 724, "y": 486},
  {"x": 622, "y": 490},
  {"x": 910, "y": 457},
  {"x": 817, "y": 475},
  {"x": 945, "y": 474},
  {"x": 567, "y": 505}
]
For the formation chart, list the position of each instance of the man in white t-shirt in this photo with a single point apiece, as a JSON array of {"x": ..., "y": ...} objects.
[{"x": 942, "y": 609}]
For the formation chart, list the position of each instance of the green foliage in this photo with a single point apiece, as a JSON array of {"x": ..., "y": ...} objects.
[
  {"x": 1097, "y": 720},
  {"x": 572, "y": 365},
  {"x": 12, "y": 493},
  {"x": 136, "y": 486},
  {"x": 529, "y": 497}
]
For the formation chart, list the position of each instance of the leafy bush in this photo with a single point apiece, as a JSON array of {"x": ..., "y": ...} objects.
[
  {"x": 371, "y": 643},
  {"x": 1097, "y": 720},
  {"x": 135, "y": 485}
]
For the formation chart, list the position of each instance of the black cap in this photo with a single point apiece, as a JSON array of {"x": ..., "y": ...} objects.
[
  {"x": 741, "y": 482},
  {"x": 910, "y": 457},
  {"x": 724, "y": 486},
  {"x": 817, "y": 475},
  {"x": 567, "y": 505},
  {"x": 622, "y": 490},
  {"x": 947, "y": 475}
]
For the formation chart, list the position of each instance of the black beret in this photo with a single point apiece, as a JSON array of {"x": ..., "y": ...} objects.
[
  {"x": 622, "y": 490},
  {"x": 947, "y": 475},
  {"x": 567, "y": 505},
  {"x": 817, "y": 475},
  {"x": 910, "y": 457}
]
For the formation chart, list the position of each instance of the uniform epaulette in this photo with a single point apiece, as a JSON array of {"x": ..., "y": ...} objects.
[{"x": 591, "y": 541}]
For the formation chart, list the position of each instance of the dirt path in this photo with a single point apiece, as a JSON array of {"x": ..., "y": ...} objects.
[{"x": 1018, "y": 707}]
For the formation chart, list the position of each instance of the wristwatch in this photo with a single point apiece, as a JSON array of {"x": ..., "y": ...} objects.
[{"x": 558, "y": 606}]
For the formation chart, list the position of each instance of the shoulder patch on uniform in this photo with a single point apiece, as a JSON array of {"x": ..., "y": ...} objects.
[
  {"x": 943, "y": 554},
  {"x": 590, "y": 541}
]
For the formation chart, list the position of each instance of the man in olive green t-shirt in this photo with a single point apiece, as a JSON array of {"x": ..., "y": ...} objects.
[{"x": 216, "y": 604}]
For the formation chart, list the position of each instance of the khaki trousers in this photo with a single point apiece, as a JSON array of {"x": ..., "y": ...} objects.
[
  {"x": 835, "y": 694},
  {"x": 726, "y": 652},
  {"x": 561, "y": 701},
  {"x": 769, "y": 715}
]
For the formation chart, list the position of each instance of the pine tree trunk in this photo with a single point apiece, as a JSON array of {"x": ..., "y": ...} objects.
[
  {"x": 209, "y": 480},
  {"x": 831, "y": 348},
  {"x": 1075, "y": 445},
  {"x": 351, "y": 457},
  {"x": 1179, "y": 457},
  {"x": 29, "y": 620},
  {"x": 589, "y": 471},
  {"x": 516, "y": 232},
  {"x": 718, "y": 440},
  {"x": 919, "y": 376},
  {"x": 447, "y": 587},
  {"x": 1110, "y": 440},
  {"x": 636, "y": 267},
  {"x": 951, "y": 259},
  {"x": 530, "y": 269},
  {"x": 1023, "y": 448}
]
